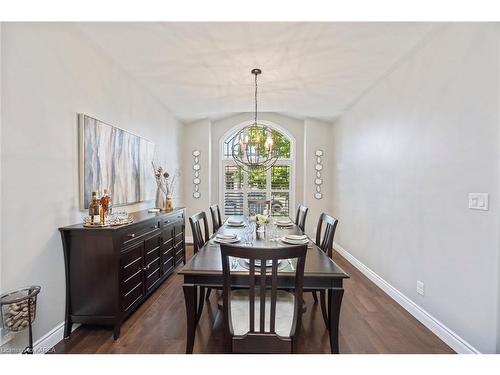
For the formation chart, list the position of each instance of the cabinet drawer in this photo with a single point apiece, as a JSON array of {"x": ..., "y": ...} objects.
[
  {"x": 179, "y": 216},
  {"x": 136, "y": 232}
]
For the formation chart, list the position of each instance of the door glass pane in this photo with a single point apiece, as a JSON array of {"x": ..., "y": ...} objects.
[
  {"x": 257, "y": 179},
  {"x": 280, "y": 177},
  {"x": 256, "y": 202},
  {"x": 280, "y": 203},
  {"x": 233, "y": 195}
]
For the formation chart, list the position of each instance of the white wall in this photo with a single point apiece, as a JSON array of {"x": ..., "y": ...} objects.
[
  {"x": 1, "y": 43},
  {"x": 317, "y": 135},
  {"x": 50, "y": 73},
  {"x": 406, "y": 156},
  {"x": 197, "y": 136}
]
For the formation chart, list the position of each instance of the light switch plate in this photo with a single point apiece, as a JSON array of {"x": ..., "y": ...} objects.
[
  {"x": 420, "y": 288},
  {"x": 479, "y": 201}
]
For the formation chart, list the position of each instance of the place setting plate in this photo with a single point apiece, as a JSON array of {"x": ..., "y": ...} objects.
[
  {"x": 235, "y": 223},
  {"x": 245, "y": 263},
  {"x": 225, "y": 238},
  {"x": 294, "y": 239},
  {"x": 284, "y": 223}
]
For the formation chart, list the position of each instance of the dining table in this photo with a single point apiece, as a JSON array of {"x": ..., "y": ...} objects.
[{"x": 204, "y": 270}]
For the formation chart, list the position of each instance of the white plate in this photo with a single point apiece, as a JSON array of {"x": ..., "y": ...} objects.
[
  {"x": 293, "y": 242},
  {"x": 229, "y": 240},
  {"x": 296, "y": 237},
  {"x": 235, "y": 225}
]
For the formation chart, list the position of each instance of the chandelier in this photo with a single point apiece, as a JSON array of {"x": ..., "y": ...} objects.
[{"x": 253, "y": 146}]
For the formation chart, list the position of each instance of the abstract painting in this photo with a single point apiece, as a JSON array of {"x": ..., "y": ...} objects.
[{"x": 116, "y": 160}]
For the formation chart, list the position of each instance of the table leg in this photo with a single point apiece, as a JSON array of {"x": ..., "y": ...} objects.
[
  {"x": 322, "y": 297},
  {"x": 190, "y": 297},
  {"x": 200, "y": 303},
  {"x": 334, "y": 303}
]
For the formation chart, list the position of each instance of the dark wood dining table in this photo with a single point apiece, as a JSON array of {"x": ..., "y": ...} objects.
[{"x": 204, "y": 270}]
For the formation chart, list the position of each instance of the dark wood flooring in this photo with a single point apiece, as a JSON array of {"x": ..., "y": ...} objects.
[{"x": 370, "y": 322}]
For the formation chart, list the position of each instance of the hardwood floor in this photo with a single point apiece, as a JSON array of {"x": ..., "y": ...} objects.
[{"x": 370, "y": 322}]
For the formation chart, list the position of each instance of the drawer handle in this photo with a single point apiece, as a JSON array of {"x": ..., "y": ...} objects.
[{"x": 131, "y": 235}]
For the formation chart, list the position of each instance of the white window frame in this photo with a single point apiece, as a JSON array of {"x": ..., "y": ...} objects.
[{"x": 223, "y": 162}]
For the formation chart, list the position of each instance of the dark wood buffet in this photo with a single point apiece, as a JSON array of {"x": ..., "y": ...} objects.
[{"x": 110, "y": 271}]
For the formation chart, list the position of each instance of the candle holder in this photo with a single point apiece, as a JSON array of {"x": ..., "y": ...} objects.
[{"x": 18, "y": 310}]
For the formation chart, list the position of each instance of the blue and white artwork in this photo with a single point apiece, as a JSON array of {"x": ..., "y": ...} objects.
[{"x": 116, "y": 160}]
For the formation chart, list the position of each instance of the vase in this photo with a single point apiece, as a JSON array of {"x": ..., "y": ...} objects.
[
  {"x": 160, "y": 199},
  {"x": 169, "y": 204},
  {"x": 260, "y": 231}
]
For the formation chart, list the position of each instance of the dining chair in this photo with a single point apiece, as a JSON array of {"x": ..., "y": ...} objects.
[
  {"x": 324, "y": 240},
  {"x": 200, "y": 238},
  {"x": 216, "y": 218},
  {"x": 300, "y": 219},
  {"x": 249, "y": 328}
]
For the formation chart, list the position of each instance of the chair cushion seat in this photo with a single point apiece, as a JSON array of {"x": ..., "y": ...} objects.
[{"x": 240, "y": 312}]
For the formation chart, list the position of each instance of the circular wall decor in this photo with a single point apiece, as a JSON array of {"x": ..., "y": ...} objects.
[
  {"x": 318, "y": 167},
  {"x": 196, "y": 179}
]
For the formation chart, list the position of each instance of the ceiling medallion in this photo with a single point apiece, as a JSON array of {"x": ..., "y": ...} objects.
[{"x": 252, "y": 146}]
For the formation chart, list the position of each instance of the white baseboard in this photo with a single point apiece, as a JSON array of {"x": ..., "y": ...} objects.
[
  {"x": 50, "y": 339},
  {"x": 453, "y": 340}
]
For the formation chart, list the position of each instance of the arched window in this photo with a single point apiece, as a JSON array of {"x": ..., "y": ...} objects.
[{"x": 249, "y": 193}]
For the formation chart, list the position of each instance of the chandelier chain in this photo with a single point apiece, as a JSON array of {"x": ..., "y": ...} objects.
[{"x": 255, "y": 120}]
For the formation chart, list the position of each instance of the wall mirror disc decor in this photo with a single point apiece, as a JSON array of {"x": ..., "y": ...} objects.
[
  {"x": 319, "y": 167},
  {"x": 196, "y": 168},
  {"x": 114, "y": 159}
]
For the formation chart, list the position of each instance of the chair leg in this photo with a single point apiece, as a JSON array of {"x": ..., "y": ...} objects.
[
  {"x": 322, "y": 296},
  {"x": 200, "y": 303},
  {"x": 315, "y": 296},
  {"x": 209, "y": 290}
]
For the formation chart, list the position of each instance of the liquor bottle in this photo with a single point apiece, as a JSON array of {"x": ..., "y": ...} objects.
[
  {"x": 104, "y": 201},
  {"x": 93, "y": 207}
]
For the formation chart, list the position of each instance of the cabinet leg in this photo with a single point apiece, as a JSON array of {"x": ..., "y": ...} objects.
[
  {"x": 68, "y": 325},
  {"x": 334, "y": 303},
  {"x": 116, "y": 331},
  {"x": 190, "y": 298}
]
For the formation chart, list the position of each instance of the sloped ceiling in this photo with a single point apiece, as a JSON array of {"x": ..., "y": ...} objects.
[{"x": 202, "y": 70}]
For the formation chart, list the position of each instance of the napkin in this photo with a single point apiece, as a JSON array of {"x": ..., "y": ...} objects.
[
  {"x": 235, "y": 221},
  {"x": 287, "y": 221}
]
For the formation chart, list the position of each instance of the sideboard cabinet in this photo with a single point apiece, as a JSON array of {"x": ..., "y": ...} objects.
[{"x": 110, "y": 271}]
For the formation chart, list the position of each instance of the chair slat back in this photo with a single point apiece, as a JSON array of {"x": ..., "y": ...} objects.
[
  {"x": 216, "y": 218},
  {"x": 325, "y": 242},
  {"x": 268, "y": 279},
  {"x": 300, "y": 219},
  {"x": 199, "y": 237}
]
